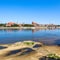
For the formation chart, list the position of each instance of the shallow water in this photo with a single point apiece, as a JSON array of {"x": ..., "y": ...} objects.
[{"x": 49, "y": 37}]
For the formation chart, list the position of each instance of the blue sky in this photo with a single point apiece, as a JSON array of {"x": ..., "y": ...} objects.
[{"x": 26, "y": 11}]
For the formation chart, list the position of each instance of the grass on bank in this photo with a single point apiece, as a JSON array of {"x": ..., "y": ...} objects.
[
  {"x": 53, "y": 56},
  {"x": 29, "y": 43}
]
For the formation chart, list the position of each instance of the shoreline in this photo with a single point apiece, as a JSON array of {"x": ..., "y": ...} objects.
[
  {"x": 32, "y": 49},
  {"x": 38, "y": 28}
]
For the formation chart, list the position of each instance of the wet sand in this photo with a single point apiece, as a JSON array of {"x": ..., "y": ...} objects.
[{"x": 21, "y": 51}]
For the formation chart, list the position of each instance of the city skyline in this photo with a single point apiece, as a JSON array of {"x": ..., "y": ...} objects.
[{"x": 26, "y": 11}]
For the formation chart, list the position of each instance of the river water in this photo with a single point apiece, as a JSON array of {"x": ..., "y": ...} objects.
[{"x": 48, "y": 37}]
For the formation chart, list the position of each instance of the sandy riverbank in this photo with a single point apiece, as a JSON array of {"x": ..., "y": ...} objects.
[
  {"x": 25, "y": 28},
  {"x": 32, "y": 28},
  {"x": 27, "y": 50},
  {"x": 17, "y": 27}
]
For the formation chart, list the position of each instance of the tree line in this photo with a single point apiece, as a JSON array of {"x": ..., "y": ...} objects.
[{"x": 16, "y": 25}]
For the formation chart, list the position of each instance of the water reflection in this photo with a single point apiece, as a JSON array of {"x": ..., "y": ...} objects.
[
  {"x": 20, "y": 52},
  {"x": 57, "y": 42},
  {"x": 45, "y": 36},
  {"x": 2, "y": 47},
  {"x": 33, "y": 30}
]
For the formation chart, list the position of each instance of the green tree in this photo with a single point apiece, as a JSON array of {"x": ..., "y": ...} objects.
[
  {"x": 15, "y": 25},
  {"x": 28, "y": 25}
]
